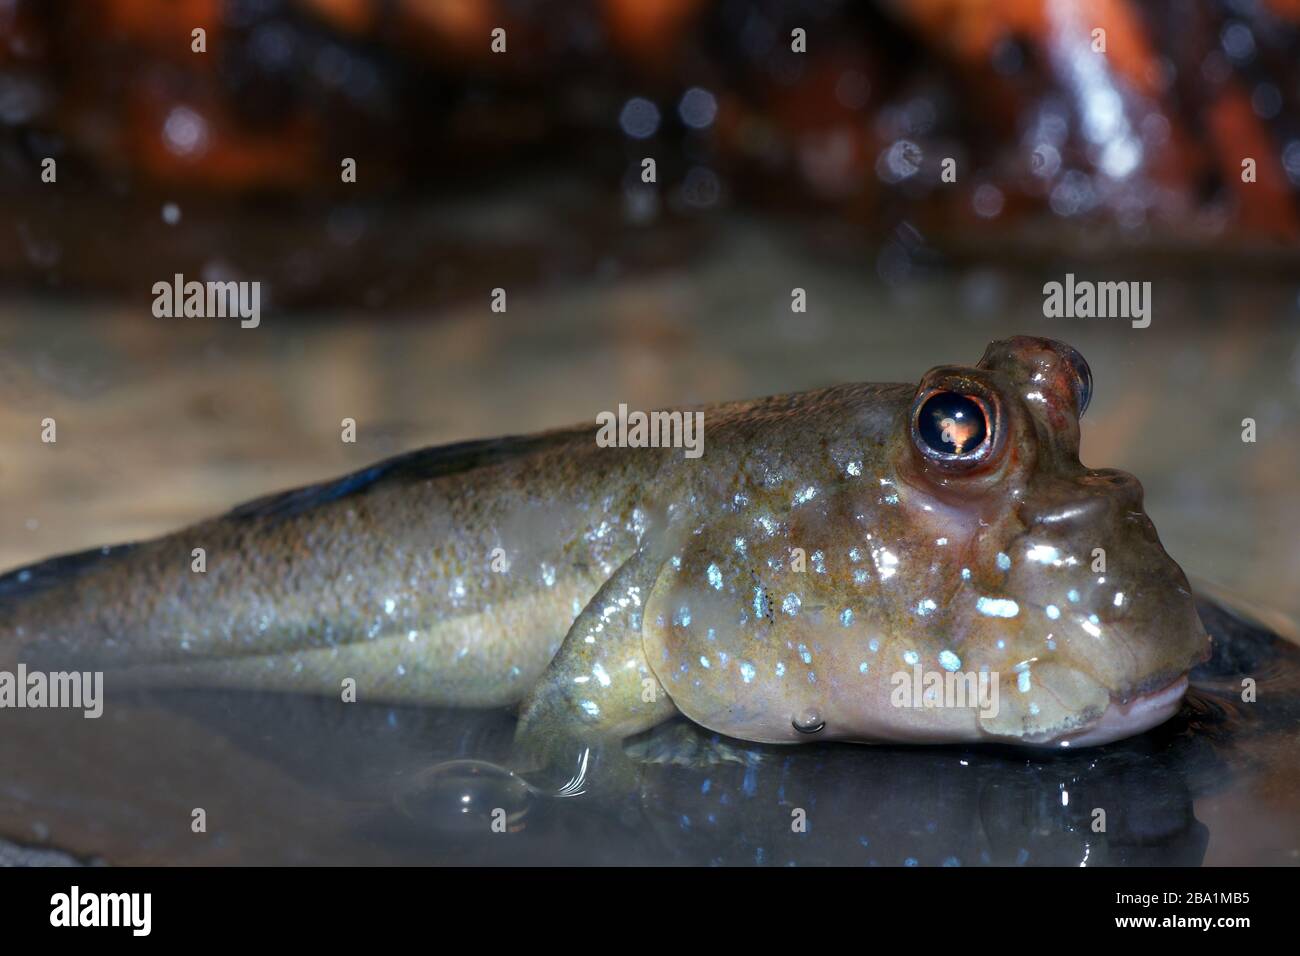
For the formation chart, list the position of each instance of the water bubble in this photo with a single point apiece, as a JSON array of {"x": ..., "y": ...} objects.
[
  {"x": 900, "y": 161},
  {"x": 1045, "y": 160},
  {"x": 1291, "y": 161},
  {"x": 1215, "y": 68},
  {"x": 1120, "y": 156},
  {"x": 640, "y": 204},
  {"x": 272, "y": 45},
  {"x": 1238, "y": 42},
  {"x": 1266, "y": 101},
  {"x": 461, "y": 797},
  {"x": 987, "y": 201},
  {"x": 808, "y": 721},
  {"x": 171, "y": 213},
  {"x": 332, "y": 66},
  {"x": 701, "y": 188},
  {"x": 919, "y": 115},
  {"x": 1073, "y": 195},
  {"x": 185, "y": 132},
  {"x": 21, "y": 99},
  {"x": 697, "y": 108},
  {"x": 640, "y": 118}
]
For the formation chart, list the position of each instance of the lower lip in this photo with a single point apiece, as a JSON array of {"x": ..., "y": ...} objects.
[{"x": 1135, "y": 717}]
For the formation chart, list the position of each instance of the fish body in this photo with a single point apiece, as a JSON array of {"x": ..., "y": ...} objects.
[{"x": 773, "y": 589}]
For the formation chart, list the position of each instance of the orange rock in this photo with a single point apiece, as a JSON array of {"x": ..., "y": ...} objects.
[
  {"x": 648, "y": 29},
  {"x": 1267, "y": 205}
]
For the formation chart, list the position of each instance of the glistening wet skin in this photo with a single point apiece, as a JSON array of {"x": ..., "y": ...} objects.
[{"x": 770, "y": 590}]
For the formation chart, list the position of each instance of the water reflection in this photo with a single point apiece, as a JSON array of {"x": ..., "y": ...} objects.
[{"x": 300, "y": 779}]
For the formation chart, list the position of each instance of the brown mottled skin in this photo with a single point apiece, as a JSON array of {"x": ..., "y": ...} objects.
[{"x": 717, "y": 587}]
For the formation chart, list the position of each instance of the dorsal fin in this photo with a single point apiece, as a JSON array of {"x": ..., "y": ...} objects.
[
  {"x": 24, "y": 582},
  {"x": 421, "y": 465}
]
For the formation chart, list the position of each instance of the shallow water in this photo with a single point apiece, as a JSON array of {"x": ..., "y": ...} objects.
[
  {"x": 162, "y": 425},
  {"x": 289, "y": 779}
]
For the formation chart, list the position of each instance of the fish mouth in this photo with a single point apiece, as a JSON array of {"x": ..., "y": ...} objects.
[{"x": 1127, "y": 719}]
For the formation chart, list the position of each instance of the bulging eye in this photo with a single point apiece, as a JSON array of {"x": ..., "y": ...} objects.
[
  {"x": 953, "y": 424},
  {"x": 1082, "y": 381}
]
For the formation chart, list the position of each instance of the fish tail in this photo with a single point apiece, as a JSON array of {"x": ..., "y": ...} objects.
[{"x": 38, "y": 604}]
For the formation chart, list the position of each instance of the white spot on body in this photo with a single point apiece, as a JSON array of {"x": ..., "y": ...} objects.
[
  {"x": 886, "y": 562},
  {"x": 997, "y": 607}
]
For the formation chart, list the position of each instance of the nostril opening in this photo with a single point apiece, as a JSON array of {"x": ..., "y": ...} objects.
[
  {"x": 1110, "y": 477},
  {"x": 1106, "y": 474},
  {"x": 1096, "y": 495}
]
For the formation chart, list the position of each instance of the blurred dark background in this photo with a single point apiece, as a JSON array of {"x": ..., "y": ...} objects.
[{"x": 1059, "y": 149}]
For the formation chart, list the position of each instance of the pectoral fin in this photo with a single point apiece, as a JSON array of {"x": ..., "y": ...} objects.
[{"x": 599, "y": 688}]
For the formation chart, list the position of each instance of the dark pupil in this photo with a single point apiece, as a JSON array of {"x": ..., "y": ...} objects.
[{"x": 951, "y": 424}]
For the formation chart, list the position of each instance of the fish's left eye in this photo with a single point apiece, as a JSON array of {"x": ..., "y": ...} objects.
[{"x": 950, "y": 423}]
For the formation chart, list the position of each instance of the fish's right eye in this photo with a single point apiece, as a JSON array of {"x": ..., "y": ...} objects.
[{"x": 952, "y": 425}]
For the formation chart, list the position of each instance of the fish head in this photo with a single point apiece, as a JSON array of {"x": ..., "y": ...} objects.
[
  {"x": 1067, "y": 593},
  {"x": 954, "y": 574}
]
